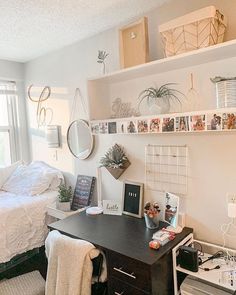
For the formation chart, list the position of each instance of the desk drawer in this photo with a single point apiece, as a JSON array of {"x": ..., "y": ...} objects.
[
  {"x": 129, "y": 270},
  {"x": 120, "y": 288}
]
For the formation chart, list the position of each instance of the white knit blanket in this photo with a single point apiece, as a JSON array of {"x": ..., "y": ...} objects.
[
  {"x": 69, "y": 265},
  {"x": 22, "y": 222}
]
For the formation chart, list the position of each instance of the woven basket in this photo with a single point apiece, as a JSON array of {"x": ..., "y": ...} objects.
[{"x": 201, "y": 28}]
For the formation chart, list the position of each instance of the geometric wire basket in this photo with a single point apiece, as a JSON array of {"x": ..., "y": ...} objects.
[
  {"x": 166, "y": 168},
  {"x": 199, "y": 29}
]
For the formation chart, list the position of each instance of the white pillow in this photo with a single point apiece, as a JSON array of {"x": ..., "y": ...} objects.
[
  {"x": 6, "y": 172},
  {"x": 58, "y": 177},
  {"x": 31, "y": 180}
]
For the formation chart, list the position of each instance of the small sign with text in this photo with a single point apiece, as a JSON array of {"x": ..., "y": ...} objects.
[{"x": 112, "y": 207}]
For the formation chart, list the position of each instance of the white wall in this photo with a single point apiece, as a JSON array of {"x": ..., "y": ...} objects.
[
  {"x": 14, "y": 71},
  {"x": 212, "y": 160}
]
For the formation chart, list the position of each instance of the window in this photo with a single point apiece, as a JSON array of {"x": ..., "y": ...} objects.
[{"x": 8, "y": 123}]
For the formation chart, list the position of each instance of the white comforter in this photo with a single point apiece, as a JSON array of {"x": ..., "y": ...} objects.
[{"x": 22, "y": 222}]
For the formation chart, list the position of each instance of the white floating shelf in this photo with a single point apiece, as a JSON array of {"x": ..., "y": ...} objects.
[{"x": 201, "y": 56}]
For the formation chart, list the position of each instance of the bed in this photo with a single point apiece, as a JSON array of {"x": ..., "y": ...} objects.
[{"x": 23, "y": 223}]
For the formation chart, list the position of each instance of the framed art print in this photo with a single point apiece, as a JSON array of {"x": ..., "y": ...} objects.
[{"x": 133, "y": 198}]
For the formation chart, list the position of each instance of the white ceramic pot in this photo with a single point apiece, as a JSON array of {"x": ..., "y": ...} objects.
[{"x": 63, "y": 206}]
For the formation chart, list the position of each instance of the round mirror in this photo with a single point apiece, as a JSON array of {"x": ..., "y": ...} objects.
[{"x": 80, "y": 139}]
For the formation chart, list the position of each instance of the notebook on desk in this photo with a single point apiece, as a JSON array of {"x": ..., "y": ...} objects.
[{"x": 83, "y": 192}]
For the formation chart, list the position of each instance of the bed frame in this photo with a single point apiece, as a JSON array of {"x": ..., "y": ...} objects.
[{"x": 18, "y": 259}]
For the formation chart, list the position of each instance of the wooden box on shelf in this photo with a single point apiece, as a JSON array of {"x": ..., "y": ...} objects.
[{"x": 134, "y": 46}]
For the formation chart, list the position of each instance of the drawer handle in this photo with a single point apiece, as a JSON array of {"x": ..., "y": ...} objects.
[
  {"x": 131, "y": 275},
  {"x": 116, "y": 293}
]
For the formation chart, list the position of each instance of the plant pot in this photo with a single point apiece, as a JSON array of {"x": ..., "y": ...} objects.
[
  {"x": 151, "y": 223},
  {"x": 63, "y": 206},
  {"x": 164, "y": 105},
  {"x": 117, "y": 172}
]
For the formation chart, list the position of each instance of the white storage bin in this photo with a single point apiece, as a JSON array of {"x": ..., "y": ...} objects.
[
  {"x": 195, "y": 30},
  {"x": 226, "y": 94}
]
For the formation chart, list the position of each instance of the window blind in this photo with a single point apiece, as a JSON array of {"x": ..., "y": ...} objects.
[{"x": 7, "y": 88}]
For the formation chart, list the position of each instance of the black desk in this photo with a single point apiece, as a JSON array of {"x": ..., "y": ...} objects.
[{"x": 133, "y": 268}]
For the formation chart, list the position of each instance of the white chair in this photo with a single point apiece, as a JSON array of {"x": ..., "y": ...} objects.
[{"x": 33, "y": 283}]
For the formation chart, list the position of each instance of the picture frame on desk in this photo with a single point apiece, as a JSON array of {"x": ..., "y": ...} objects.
[
  {"x": 133, "y": 198},
  {"x": 111, "y": 207}
]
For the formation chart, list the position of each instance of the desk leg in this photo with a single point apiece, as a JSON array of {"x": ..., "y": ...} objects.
[{"x": 188, "y": 240}]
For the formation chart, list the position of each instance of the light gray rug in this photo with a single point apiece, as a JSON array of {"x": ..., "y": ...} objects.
[{"x": 31, "y": 283}]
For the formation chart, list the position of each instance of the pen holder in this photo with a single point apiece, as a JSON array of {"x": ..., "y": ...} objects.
[{"x": 151, "y": 222}]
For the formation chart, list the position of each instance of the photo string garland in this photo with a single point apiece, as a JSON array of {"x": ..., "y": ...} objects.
[{"x": 215, "y": 120}]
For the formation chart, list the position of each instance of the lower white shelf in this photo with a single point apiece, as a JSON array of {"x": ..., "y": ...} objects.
[
  {"x": 56, "y": 213},
  {"x": 214, "y": 276},
  {"x": 224, "y": 277}
]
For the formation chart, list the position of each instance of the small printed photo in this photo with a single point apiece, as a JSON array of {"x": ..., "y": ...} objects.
[
  {"x": 142, "y": 126},
  {"x": 168, "y": 125},
  {"x": 121, "y": 127},
  {"x": 155, "y": 125},
  {"x": 95, "y": 128},
  {"x": 103, "y": 128},
  {"x": 229, "y": 121},
  {"x": 198, "y": 122},
  {"x": 131, "y": 127},
  {"x": 214, "y": 121},
  {"x": 182, "y": 124},
  {"x": 112, "y": 127}
]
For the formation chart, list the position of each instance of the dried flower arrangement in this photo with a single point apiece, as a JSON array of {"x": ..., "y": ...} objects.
[
  {"x": 152, "y": 210},
  {"x": 102, "y": 55}
]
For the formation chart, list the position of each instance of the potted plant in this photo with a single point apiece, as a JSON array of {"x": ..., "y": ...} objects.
[
  {"x": 160, "y": 97},
  {"x": 64, "y": 197},
  {"x": 115, "y": 161}
]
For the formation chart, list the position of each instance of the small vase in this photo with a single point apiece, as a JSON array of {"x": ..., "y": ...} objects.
[
  {"x": 63, "y": 206},
  {"x": 103, "y": 68},
  {"x": 151, "y": 223}
]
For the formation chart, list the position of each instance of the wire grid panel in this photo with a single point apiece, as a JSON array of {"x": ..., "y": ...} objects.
[{"x": 166, "y": 168}]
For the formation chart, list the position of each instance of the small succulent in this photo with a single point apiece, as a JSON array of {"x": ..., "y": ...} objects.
[
  {"x": 115, "y": 157},
  {"x": 65, "y": 193},
  {"x": 153, "y": 94}
]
